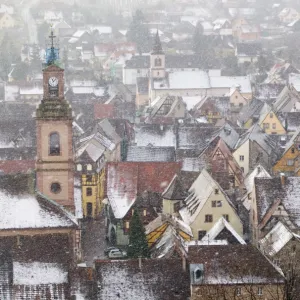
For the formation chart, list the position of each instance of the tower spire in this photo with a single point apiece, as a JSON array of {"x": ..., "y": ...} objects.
[
  {"x": 157, "y": 48},
  {"x": 52, "y": 52}
]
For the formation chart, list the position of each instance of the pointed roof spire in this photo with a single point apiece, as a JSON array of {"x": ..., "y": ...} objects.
[{"x": 157, "y": 48}]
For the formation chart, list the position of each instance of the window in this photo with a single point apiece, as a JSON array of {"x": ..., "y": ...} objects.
[
  {"x": 176, "y": 207},
  {"x": 276, "y": 262},
  {"x": 243, "y": 170},
  {"x": 145, "y": 212},
  {"x": 198, "y": 274},
  {"x": 55, "y": 188},
  {"x": 259, "y": 291},
  {"x": 293, "y": 150},
  {"x": 216, "y": 191},
  {"x": 89, "y": 191},
  {"x": 242, "y": 157},
  {"x": 216, "y": 203},
  {"x": 208, "y": 218},
  {"x": 54, "y": 144},
  {"x": 266, "y": 125},
  {"x": 238, "y": 291},
  {"x": 290, "y": 162},
  {"x": 226, "y": 217},
  {"x": 89, "y": 167},
  {"x": 271, "y": 115},
  {"x": 274, "y": 126},
  {"x": 294, "y": 248},
  {"x": 127, "y": 225},
  {"x": 201, "y": 234},
  {"x": 157, "y": 62},
  {"x": 89, "y": 178},
  {"x": 79, "y": 167}
]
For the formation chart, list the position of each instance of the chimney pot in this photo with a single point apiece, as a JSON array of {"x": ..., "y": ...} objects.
[
  {"x": 283, "y": 179},
  {"x": 183, "y": 263}
]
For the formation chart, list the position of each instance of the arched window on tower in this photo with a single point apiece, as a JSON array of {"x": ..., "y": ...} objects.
[
  {"x": 157, "y": 62},
  {"x": 54, "y": 144}
]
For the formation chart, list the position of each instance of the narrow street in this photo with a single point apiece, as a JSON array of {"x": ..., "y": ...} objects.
[{"x": 93, "y": 240}]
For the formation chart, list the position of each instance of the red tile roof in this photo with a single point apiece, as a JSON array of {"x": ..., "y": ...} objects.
[
  {"x": 151, "y": 176},
  {"x": 126, "y": 180},
  {"x": 16, "y": 166},
  {"x": 102, "y": 111}
]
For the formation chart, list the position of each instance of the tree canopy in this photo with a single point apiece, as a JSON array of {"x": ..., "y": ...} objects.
[
  {"x": 138, "y": 246},
  {"x": 139, "y": 33}
]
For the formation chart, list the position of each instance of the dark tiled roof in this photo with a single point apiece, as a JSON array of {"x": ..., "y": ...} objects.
[
  {"x": 292, "y": 121},
  {"x": 135, "y": 153},
  {"x": 248, "y": 49},
  {"x": 16, "y": 166},
  {"x": 270, "y": 190},
  {"x": 175, "y": 190},
  {"x": 172, "y": 62},
  {"x": 157, "y": 48},
  {"x": 234, "y": 264},
  {"x": 194, "y": 136},
  {"x": 156, "y": 279},
  {"x": 23, "y": 153},
  {"x": 248, "y": 111}
]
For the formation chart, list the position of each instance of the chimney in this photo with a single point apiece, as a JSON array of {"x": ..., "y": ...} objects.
[
  {"x": 183, "y": 263},
  {"x": 282, "y": 179},
  {"x": 140, "y": 262},
  {"x": 258, "y": 169}
]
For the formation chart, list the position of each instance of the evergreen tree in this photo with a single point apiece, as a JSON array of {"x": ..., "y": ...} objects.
[
  {"x": 35, "y": 59},
  {"x": 139, "y": 33},
  {"x": 9, "y": 54},
  {"x": 106, "y": 93},
  {"x": 138, "y": 246},
  {"x": 198, "y": 39},
  {"x": 20, "y": 71}
]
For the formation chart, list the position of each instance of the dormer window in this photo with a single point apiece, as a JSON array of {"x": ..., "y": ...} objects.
[{"x": 198, "y": 274}]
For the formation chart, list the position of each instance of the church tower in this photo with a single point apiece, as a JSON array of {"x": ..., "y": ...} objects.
[
  {"x": 55, "y": 162},
  {"x": 157, "y": 60}
]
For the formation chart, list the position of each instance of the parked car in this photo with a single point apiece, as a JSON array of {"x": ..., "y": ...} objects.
[
  {"x": 110, "y": 248},
  {"x": 117, "y": 253}
]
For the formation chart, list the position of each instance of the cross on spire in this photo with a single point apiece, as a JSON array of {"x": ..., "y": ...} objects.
[{"x": 52, "y": 37}]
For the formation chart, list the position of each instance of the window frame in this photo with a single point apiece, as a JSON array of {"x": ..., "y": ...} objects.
[
  {"x": 208, "y": 218},
  {"x": 89, "y": 192},
  {"x": 54, "y": 150},
  {"x": 242, "y": 157},
  {"x": 259, "y": 291}
]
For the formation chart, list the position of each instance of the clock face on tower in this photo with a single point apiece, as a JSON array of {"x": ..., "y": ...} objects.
[{"x": 53, "y": 81}]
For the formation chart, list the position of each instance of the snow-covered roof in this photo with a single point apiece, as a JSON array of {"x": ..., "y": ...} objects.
[
  {"x": 121, "y": 189},
  {"x": 28, "y": 211},
  {"x": 294, "y": 79},
  {"x": 156, "y": 135},
  {"x": 259, "y": 171},
  {"x": 276, "y": 239},
  {"x": 185, "y": 80},
  {"x": 31, "y": 91},
  {"x": 191, "y": 102},
  {"x": 200, "y": 191},
  {"x": 78, "y": 34},
  {"x": 36, "y": 273},
  {"x": 218, "y": 227},
  {"x": 243, "y": 82}
]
